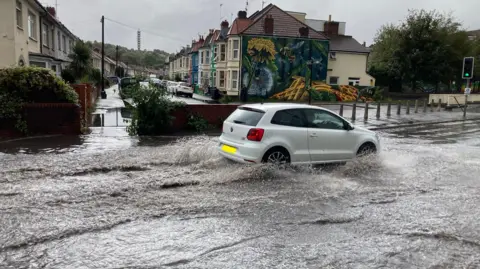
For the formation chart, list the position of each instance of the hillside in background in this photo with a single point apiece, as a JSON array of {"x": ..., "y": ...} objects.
[{"x": 147, "y": 58}]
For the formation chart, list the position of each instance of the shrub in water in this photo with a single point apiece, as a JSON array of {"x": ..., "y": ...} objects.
[{"x": 152, "y": 111}]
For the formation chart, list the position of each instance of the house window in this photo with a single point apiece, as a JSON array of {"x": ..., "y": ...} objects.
[
  {"x": 234, "y": 79},
  {"x": 71, "y": 46},
  {"x": 236, "y": 49},
  {"x": 215, "y": 53},
  {"x": 223, "y": 54},
  {"x": 59, "y": 41},
  {"x": 333, "y": 55},
  {"x": 52, "y": 34},
  {"x": 64, "y": 41},
  {"x": 333, "y": 80},
  {"x": 54, "y": 68},
  {"x": 38, "y": 64},
  {"x": 222, "y": 79},
  {"x": 32, "y": 25},
  {"x": 45, "y": 35},
  {"x": 353, "y": 81},
  {"x": 207, "y": 56},
  {"x": 214, "y": 79},
  {"x": 201, "y": 57},
  {"x": 19, "y": 15}
]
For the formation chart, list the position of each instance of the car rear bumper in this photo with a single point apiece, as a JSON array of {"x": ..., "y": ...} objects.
[{"x": 245, "y": 153}]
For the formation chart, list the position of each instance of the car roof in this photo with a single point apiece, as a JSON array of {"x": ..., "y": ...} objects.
[{"x": 278, "y": 106}]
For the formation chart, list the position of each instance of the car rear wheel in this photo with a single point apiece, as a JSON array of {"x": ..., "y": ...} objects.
[
  {"x": 366, "y": 149},
  {"x": 277, "y": 155}
]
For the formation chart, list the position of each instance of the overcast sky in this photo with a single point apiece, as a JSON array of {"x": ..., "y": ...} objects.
[{"x": 169, "y": 24}]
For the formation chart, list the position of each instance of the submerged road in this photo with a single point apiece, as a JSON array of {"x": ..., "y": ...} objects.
[{"x": 180, "y": 206}]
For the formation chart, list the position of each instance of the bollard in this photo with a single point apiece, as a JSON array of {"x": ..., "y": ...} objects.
[
  {"x": 365, "y": 115},
  {"x": 416, "y": 106},
  {"x": 425, "y": 106},
  {"x": 389, "y": 110},
  {"x": 354, "y": 111},
  {"x": 399, "y": 107},
  {"x": 116, "y": 113},
  {"x": 408, "y": 107},
  {"x": 378, "y": 110},
  {"x": 103, "y": 120},
  {"x": 432, "y": 105},
  {"x": 439, "y": 104},
  {"x": 341, "y": 110}
]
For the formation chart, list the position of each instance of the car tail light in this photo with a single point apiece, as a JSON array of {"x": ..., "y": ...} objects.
[{"x": 255, "y": 134}]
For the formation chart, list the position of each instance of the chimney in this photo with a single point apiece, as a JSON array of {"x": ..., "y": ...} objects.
[
  {"x": 210, "y": 31},
  {"x": 364, "y": 43},
  {"x": 304, "y": 31},
  {"x": 224, "y": 24},
  {"x": 242, "y": 14},
  {"x": 268, "y": 24},
  {"x": 331, "y": 27},
  {"x": 52, "y": 11},
  {"x": 96, "y": 50}
]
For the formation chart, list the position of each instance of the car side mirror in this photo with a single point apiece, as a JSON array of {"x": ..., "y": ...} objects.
[{"x": 347, "y": 126}]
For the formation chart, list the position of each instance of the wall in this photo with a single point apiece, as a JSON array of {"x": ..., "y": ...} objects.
[
  {"x": 270, "y": 64},
  {"x": 7, "y": 34},
  {"x": 214, "y": 114},
  {"x": 46, "y": 119},
  {"x": 349, "y": 65}
]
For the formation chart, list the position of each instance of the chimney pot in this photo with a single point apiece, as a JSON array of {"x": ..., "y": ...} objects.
[
  {"x": 52, "y": 11},
  {"x": 224, "y": 24},
  {"x": 242, "y": 14},
  {"x": 330, "y": 17}
]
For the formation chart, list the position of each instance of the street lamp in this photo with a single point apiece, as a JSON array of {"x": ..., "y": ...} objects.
[{"x": 310, "y": 64}]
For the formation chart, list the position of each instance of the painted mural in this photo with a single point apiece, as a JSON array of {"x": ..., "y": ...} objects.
[
  {"x": 279, "y": 68},
  {"x": 271, "y": 66}
]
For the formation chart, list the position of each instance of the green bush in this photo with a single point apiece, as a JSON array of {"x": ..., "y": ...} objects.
[
  {"x": 36, "y": 85},
  {"x": 68, "y": 75},
  {"x": 152, "y": 111},
  {"x": 20, "y": 85}
]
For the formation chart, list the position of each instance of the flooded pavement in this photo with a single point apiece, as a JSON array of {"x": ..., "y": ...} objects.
[{"x": 178, "y": 205}]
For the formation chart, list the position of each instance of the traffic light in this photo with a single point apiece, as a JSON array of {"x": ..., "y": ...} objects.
[{"x": 467, "y": 70}]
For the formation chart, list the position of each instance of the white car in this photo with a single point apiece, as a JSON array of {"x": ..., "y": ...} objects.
[
  {"x": 292, "y": 133},
  {"x": 184, "y": 89},
  {"x": 171, "y": 85}
]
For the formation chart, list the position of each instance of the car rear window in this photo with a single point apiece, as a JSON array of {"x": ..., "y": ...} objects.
[{"x": 246, "y": 116}]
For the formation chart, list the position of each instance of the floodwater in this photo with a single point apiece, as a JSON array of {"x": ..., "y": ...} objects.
[{"x": 178, "y": 205}]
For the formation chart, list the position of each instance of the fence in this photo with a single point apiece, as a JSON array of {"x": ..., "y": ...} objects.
[
  {"x": 46, "y": 118},
  {"x": 415, "y": 106}
]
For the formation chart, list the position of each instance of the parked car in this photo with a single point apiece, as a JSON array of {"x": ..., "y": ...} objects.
[
  {"x": 127, "y": 81},
  {"x": 293, "y": 133},
  {"x": 171, "y": 85},
  {"x": 184, "y": 88}
]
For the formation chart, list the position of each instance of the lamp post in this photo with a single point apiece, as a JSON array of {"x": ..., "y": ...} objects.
[{"x": 310, "y": 64}]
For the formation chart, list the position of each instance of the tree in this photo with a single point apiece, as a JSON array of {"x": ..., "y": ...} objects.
[
  {"x": 81, "y": 57},
  {"x": 427, "y": 47}
]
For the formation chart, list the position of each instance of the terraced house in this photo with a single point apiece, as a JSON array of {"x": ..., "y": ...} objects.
[
  {"x": 273, "y": 51},
  {"x": 33, "y": 35}
]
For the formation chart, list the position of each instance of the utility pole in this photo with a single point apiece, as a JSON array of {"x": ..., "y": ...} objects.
[
  {"x": 116, "y": 59},
  {"x": 103, "y": 93}
]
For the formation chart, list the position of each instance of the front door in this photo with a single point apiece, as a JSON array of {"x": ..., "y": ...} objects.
[{"x": 328, "y": 140}]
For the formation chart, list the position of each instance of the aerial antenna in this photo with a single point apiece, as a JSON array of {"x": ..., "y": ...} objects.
[
  {"x": 221, "y": 5},
  {"x": 246, "y": 5},
  {"x": 263, "y": 4}
]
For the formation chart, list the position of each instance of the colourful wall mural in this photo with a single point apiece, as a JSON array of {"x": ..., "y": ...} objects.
[{"x": 272, "y": 65}]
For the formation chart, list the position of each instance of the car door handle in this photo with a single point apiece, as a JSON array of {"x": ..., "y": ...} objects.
[{"x": 313, "y": 135}]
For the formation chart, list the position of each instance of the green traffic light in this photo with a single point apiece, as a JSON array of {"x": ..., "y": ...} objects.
[{"x": 467, "y": 74}]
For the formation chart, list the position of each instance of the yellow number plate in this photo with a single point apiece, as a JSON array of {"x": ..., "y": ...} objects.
[{"x": 229, "y": 149}]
